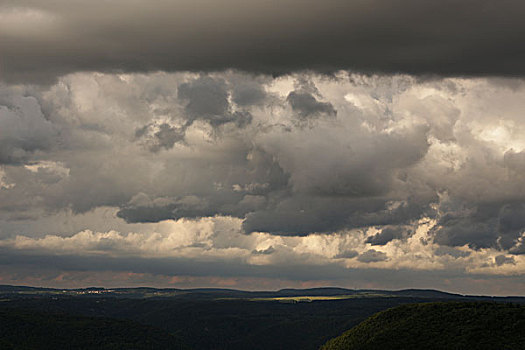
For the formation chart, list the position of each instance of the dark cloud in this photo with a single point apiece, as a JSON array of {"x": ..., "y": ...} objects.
[
  {"x": 464, "y": 230},
  {"x": 489, "y": 225},
  {"x": 146, "y": 213},
  {"x": 519, "y": 249},
  {"x": 167, "y": 136},
  {"x": 248, "y": 93},
  {"x": 450, "y": 251},
  {"x": 41, "y": 40},
  {"x": 207, "y": 100},
  {"x": 372, "y": 256},
  {"x": 173, "y": 208},
  {"x": 197, "y": 267},
  {"x": 24, "y": 129},
  {"x": 274, "y": 198},
  {"x": 163, "y": 136},
  {"x": 515, "y": 161},
  {"x": 248, "y": 186},
  {"x": 502, "y": 260},
  {"x": 306, "y": 105},
  {"x": 388, "y": 234},
  {"x": 302, "y": 215},
  {"x": 347, "y": 254}
]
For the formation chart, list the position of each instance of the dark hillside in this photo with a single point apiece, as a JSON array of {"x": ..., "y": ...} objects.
[
  {"x": 24, "y": 329},
  {"x": 229, "y": 319},
  {"x": 449, "y": 325}
]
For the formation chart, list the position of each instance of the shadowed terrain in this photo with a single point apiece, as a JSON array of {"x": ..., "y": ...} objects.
[
  {"x": 27, "y": 329},
  {"x": 452, "y": 325},
  {"x": 205, "y": 318}
]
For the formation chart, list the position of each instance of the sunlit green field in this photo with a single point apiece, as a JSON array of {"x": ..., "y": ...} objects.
[{"x": 308, "y": 298}]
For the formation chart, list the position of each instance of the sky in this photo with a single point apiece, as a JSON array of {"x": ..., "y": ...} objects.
[{"x": 263, "y": 144}]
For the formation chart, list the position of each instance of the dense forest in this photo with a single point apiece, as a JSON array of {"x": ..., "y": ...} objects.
[
  {"x": 226, "y": 324},
  {"x": 451, "y": 325},
  {"x": 203, "y": 319},
  {"x": 28, "y": 330}
]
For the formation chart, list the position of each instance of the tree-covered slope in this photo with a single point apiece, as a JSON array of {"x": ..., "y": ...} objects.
[
  {"x": 23, "y": 329},
  {"x": 448, "y": 325}
]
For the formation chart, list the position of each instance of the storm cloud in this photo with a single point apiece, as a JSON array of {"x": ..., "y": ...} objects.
[
  {"x": 171, "y": 148},
  {"x": 24, "y": 129},
  {"x": 259, "y": 137},
  {"x": 388, "y": 234},
  {"x": 43, "y": 40}
]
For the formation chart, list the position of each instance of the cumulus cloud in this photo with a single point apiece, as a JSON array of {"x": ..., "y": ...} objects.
[
  {"x": 306, "y": 105},
  {"x": 420, "y": 170},
  {"x": 371, "y": 256},
  {"x": 212, "y": 249},
  {"x": 502, "y": 260},
  {"x": 267, "y": 251},
  {"x": 388, "y": 234},
  {"x": 163, "y": 136},
  {"x": 263, "y": 139},
  {"x": 347, "y": 254},
  {"x": 248, "y": 92},
  {"x": 24, "y": 130},
  {"x": 382, "y": 161},
  {"x": 43, "y": 40},
  {"x": 206, "y": 98},
  {"x": 164, "y": 240},
  {"x": 451, "y": 251}
]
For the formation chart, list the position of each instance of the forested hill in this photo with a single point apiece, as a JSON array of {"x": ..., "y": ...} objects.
[
  {"x": 450, "y": 325},
  {"x": 25, "y": 329},
  {"x": 203, "y": 319}
]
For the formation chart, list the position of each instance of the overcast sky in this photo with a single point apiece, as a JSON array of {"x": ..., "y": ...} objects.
[{"x": 263, "y": 144}]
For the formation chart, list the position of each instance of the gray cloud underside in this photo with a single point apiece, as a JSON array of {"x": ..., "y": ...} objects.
[
  {"x": 395, "y": 278},
  {"x": 389, "y": 234},
  {"x": 41, "y": 40}
]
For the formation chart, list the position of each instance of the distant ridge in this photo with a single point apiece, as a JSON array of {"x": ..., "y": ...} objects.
[{"x": 139, "y": 292}]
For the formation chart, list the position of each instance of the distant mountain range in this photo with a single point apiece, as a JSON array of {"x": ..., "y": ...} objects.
[{"x": 214, "y": 293}]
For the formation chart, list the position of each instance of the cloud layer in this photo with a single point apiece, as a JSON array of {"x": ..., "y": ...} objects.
[
  {"x": 302, "y": 172},
  {"x": 42, "y": 40}
]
